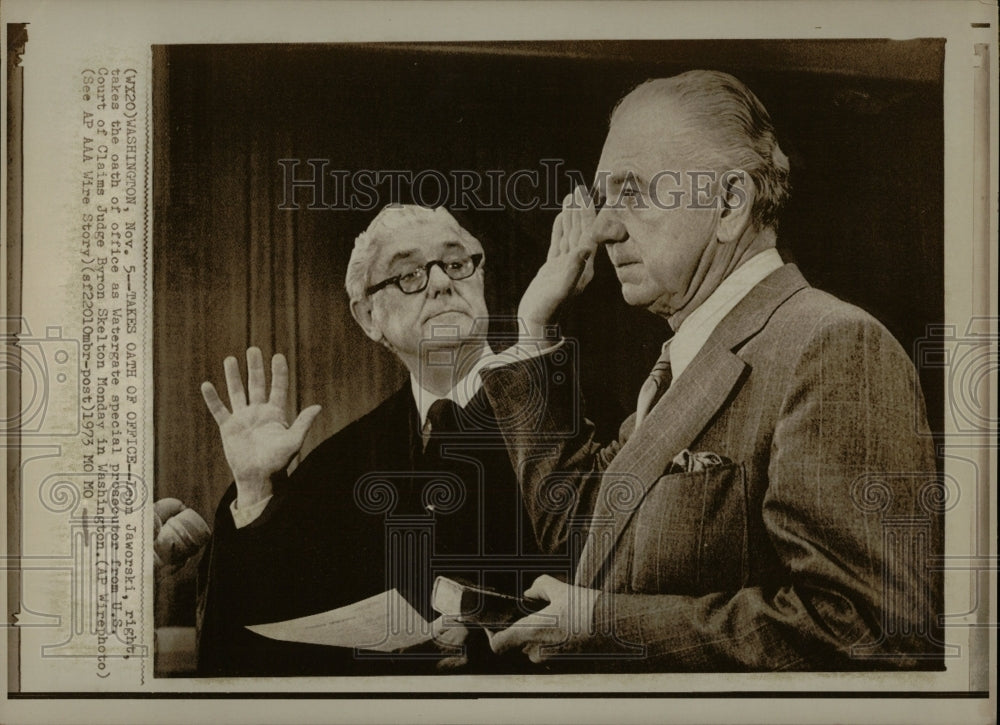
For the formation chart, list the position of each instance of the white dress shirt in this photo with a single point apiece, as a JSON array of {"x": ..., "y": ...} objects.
[
  {"x": 695, "y": 330},
  {"x": 463, "y": 392}
]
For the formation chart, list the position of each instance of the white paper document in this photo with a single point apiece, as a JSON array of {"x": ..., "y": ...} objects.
[{"x": 385, "y": 622}]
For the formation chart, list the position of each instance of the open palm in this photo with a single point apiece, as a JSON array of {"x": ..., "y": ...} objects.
[
  {"x": 569, "y": 266},
  {"x": 256, "y": 437}
]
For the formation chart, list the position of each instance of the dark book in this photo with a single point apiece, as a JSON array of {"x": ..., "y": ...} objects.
[{"x": 482, "y": 606}]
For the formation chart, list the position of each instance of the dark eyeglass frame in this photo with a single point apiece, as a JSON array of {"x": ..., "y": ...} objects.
[{"x": 442, "y": 263}]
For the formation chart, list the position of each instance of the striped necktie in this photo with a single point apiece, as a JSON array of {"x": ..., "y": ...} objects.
[{"x": 655, "y": 385}]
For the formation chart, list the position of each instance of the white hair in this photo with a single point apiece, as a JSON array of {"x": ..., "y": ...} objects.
[
  {"x": 387, "y": 222},
  {"x": 728, "y": 129}
]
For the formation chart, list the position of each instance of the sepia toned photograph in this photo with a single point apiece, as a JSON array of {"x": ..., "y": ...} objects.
[
  {"x": 509, "y": 362},
  {"x": 336, "y": 224}
]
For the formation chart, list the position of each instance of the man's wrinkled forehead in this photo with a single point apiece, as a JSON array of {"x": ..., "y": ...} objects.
[
  {"x": 423, "y": 240},
  {"x": 643, "y": 139}
]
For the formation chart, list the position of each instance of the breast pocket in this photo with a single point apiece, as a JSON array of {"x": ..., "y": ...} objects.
[{"x": 690, "y": 533}]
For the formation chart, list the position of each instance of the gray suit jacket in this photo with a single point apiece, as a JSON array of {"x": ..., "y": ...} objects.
[{"x": 807, "y": 548}]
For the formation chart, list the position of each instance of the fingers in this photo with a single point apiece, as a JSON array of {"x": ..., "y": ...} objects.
[
  {"x": 447, "y": 632},
  {"x": 574, "y": 269},
  {"x": 566, "y": 215},
  {"x": 164, "y": 509},
  {"x": 564, "y": 272},
  {"x": 544, "y": 587},
  {"x": 514, "y": 637},
  {"x": 279, "y": 381},
  {"x": 448, "y": 664},
  {"x": 583, "y": 220},
  {"x": 450, "y": 635},
  {"x": 571, "y": 228},
  {"x": 181, "y": 537},
  {"x": 301, "y": 425},
  {"x": 167, "y": 507},
  {"x": 490, "y": 634},
  {"x": 234, "y": 383},
  {"x": 548, "y": 627},
  {"x": 215, "y": 406},
  {"x": 534, "y": 635},
  {"x": 556, "y": 240},
  {"x": 256, "y": 384},
  {"x": 584, "y": 202},
  {"x": 535, "y": 654}
]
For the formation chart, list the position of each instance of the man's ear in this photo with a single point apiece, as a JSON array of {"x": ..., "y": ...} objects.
[
  {"x": 737, "y": 193},
  {"x": 361, "y": 310}
]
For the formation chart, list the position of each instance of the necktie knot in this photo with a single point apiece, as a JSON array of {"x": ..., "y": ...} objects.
[
  {"x": 656, "y": 384},
  {"x": 661, "y": 371},
  {"x": 442, "y": 418}
]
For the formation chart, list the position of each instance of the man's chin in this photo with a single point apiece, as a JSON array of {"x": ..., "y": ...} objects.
[
  {"x": 449, "y": 328},
  {"x": 635, "y": 295}
]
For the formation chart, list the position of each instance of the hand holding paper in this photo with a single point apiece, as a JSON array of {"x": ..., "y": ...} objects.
[
  {"x": 568, "y": 619},
  {"x": 384, "y": 623}
]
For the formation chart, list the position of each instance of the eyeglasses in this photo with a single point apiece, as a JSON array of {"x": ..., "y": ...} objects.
[{"x": 416, "y": 281}]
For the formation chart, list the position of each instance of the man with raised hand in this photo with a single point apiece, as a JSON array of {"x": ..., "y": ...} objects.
[
  {"x": 744, "y": 517},
  {"x": 286, "y": 546}
]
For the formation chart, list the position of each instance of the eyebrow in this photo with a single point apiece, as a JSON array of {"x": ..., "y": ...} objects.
[
  {"x": 407, "y": 254},
  {"x": 620, "y": 178},
  {"x": 402, "y": 256},
  {"x": 605, "y": 180}
]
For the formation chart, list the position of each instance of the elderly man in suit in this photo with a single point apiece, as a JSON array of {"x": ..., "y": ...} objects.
[
  {"x": 429, "y": 458},
  {"x": 771, "y": 504}
]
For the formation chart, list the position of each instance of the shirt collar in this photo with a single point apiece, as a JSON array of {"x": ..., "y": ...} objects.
[
  {"x": 694, "y": 332},
  {"x": 463, "y": 392}
]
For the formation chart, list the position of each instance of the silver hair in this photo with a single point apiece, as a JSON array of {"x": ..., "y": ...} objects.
[
  {"x": 728, "y": 129},
  {"x": 390, "y": 220}
]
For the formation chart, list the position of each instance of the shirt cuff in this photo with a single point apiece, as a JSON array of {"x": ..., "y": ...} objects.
[
  {"x": 519, "y": 352},
  {"x": 248, "y": 514}
]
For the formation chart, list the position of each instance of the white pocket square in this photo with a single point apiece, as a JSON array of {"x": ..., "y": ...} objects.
[{"x": 688, "y": 462}]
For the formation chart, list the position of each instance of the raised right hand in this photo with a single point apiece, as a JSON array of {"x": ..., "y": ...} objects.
[
  {"x": 569, "y": 266},
  {"x": 256, "y": 437}
]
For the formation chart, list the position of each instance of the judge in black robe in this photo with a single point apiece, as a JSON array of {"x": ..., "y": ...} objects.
[{"x": 379, "y": 505}]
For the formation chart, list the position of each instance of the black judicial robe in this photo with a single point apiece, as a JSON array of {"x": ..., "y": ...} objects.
[{"x": 368, "y": 510}]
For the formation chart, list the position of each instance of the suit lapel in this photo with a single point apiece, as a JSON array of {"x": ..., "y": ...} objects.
[
  {"x": 676, "y": 420},
  {"x": 683, "y": 412}
]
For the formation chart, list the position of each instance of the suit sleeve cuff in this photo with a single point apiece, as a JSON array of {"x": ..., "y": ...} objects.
[
  {"x": 631, "y": 619},
  {"x": 519, "y": 353},
  {"x": 247, "y": 515}
]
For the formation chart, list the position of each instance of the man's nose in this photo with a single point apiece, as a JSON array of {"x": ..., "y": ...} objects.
[
  {"x": 608, "y": 228},
  {"x": 437, "y": 280}
]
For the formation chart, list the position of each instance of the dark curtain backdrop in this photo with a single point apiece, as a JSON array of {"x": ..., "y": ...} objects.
[{"x": 861, "y": 121}]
